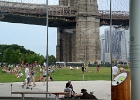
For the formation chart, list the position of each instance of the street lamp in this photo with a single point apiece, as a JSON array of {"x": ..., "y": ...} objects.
[
  {"x": 111, "y": 36},
  {"x": 47, "y": 48}
]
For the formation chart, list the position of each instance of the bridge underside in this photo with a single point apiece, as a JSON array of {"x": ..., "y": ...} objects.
[
  {"x": 53, "y": 22},
  {"x": 118, "y": 22},
  {"x": 56, "y": 22}
]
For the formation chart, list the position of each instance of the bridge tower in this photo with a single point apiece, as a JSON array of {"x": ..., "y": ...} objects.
[
  {"x": 68, "y": 2},
  {"x": 87, "y": 45},
  {"x": 66, "y": 37},
  {"x": 80, "y": 43}
]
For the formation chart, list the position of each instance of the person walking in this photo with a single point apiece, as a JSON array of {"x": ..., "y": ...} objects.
[
  {"x": 114, "y": 71},
  {"x": 33, "y": 76},
  {"x": 44, "y": 75},
  {"x": 27, "y": 73},
  {"x": 98, "y": 69}
]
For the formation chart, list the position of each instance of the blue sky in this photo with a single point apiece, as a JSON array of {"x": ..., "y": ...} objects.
[{"x": 32, "y": 37}]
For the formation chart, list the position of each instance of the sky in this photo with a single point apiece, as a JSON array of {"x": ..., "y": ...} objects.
[{"x": 33, "y": 37}]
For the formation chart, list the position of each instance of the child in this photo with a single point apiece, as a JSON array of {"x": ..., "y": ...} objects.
[{"x": 39, "y": 78}]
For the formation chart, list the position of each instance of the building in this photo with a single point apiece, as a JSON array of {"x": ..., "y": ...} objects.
[
  {"x": 102, "y": 39},
  {"x": 120, "y": 45}
]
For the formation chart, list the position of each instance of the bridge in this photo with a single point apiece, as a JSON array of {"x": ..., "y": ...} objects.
[
  {"x": 58, "y": 15},
  {"x": 78, "y": 23}
]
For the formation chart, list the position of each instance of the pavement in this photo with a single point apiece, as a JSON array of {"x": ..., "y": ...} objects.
[{"x": 102, "y": 89}]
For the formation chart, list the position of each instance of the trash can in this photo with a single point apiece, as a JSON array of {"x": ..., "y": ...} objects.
[{"x": 120, "y": 87}]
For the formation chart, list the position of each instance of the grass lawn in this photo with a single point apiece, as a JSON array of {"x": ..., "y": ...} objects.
[{"x": 64, "y": 74}]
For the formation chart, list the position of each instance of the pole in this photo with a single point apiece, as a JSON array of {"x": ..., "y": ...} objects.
[
  {"x": 111, "y": 37},
  {"x": 83, "y": 76},
  {"x": 11, "y": 91},
  {"x": 47, "y": 48},
  {"x": 135, "y": 48}
]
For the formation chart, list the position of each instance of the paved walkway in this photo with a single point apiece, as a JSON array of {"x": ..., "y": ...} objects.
[{"x": 102, "y": 89}]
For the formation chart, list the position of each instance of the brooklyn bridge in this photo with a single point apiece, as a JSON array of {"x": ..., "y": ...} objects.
[{"x": 77, "y": 23}]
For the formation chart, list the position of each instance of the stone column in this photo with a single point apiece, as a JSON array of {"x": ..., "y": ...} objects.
[
  {"x": 68, "y": 2},
  {"x": 87, "y": 46},
  {"x": 61, "y": 2},
  {"x": 65, "y": 44},
  {"x": 58, "y": 47}
]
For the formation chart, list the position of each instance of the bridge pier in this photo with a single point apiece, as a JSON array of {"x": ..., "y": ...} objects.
[
  {"x": 87, "y": 45},
  {"x": 68, "y": 2},
  {"x": 65, "y": 44},
  {"x": 82, "y": 45}
]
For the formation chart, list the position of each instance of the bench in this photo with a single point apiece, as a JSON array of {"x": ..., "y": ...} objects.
[{"x": 40, "y": 92}]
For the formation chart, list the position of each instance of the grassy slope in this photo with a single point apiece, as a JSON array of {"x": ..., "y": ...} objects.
[{"x": 64, "y": 74}]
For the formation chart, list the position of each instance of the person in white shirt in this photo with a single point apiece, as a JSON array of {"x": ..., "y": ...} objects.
[
  {"x": 27, "y": 73},
  {"x": 114, "y": 71},
  {"x": 44, "y": 75},
  {"x": 71, "y": 68}
]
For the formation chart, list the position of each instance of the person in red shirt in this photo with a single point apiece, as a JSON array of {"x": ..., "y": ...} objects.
[{"x": 98, "y": 68}]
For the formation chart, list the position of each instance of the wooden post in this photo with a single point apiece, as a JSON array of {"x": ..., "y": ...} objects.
[{"x": 121, "y": 91}]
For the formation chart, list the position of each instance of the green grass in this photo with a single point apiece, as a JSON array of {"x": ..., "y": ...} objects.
[{"x": 64, "y": 74}]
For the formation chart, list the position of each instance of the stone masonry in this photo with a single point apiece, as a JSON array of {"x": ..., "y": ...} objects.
[{"x": 80, "y": 43}]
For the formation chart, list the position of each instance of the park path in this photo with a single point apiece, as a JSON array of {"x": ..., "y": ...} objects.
[{"x": 102, "y": 89}]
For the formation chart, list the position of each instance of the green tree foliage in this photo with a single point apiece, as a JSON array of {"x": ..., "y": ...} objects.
[
  {"x": 51, "y": 59},
  {"x": 14, "y": 54}
]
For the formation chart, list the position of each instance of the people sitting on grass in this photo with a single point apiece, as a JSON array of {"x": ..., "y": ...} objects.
[
  {"x": 71, "y": 68},
  {"x": 77, "y": 67},
  {"x": 7, "y": 71},
  {"x": 4, "y": 69}
]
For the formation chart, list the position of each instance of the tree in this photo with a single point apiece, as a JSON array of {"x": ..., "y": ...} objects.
[
  {"x": 10, "y": 56},
  {"x": 14, "y": 54},
  {"x": 51, "y": 59}
]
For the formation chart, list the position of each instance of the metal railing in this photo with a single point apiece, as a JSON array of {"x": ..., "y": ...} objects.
[{"x": 39, "y": 10}]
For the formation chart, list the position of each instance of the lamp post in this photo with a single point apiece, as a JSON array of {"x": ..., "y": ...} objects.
[
  {"x": 111, "y": 36},
  {"x": 47, "y": 48}
]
